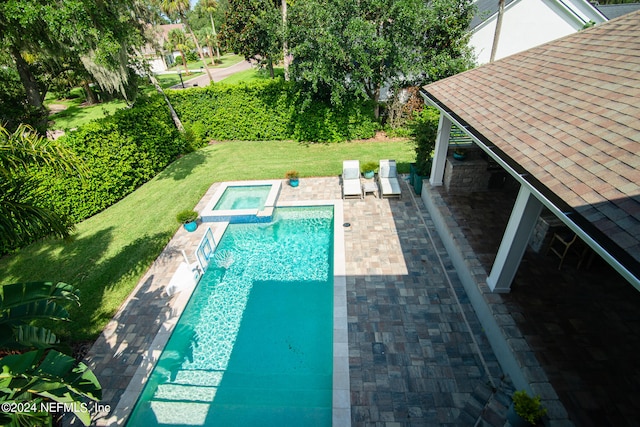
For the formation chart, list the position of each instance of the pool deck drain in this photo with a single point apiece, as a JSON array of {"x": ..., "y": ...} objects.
[{"x": 394, "y": 297}]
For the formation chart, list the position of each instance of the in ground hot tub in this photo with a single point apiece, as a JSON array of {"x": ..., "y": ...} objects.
[{"x": 242, "y": 201}]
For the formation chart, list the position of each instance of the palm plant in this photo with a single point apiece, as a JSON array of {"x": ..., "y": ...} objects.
[
  {"x": 22, "y": 218},
  {"x": 210, "y": 40},
  {"x": 210, "y": 6},
  {"x": 179, "y": 9},
  {"x": 42, "y": 374},
  {"x": 35, "y": 377},
  {"x": 179, "y": 41}
]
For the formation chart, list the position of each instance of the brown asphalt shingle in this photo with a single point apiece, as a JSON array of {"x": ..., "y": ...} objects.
[{"x": 568, "y": 112}]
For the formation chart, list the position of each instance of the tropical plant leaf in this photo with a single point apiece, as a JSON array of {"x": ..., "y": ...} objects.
[
  {"x": 75, "y": 376},
  {"x": 57, "y": 376},
  {"x": 25, "y": 419},
  {"x": 32, "y": 337},
  {"x": 17, "y": 294}
]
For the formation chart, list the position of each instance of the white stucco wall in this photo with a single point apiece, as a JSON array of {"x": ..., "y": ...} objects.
[{"x": 529, "y": 23}]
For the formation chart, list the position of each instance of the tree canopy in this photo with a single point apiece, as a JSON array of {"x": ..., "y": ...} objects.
[
  {"x": 347, "y": 48},
  {"x": 253, "y": 28},
  {"x": 53, "y": 36}
]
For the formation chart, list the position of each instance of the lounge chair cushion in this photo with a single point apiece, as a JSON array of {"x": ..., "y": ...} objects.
[
  {"x": 352, "y": 188},
  {"x": 350, "y": 173},
  {"x": 390, "y": 187},
  {"x": 388, "y": 171}
]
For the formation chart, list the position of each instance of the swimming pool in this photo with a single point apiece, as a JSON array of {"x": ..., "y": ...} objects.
[{"x": 255, "y": 344}]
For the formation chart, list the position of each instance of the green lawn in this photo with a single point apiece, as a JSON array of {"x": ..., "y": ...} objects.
[
  {"x": 108, "y": 253},
  {"x": 226, "y": 60},
  {"x": 252, "y": 75}
]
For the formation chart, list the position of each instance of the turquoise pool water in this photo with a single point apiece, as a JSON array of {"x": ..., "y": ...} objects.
[
  {"x": 243, "y": 197},
  {"x": 254, "y": 346}
]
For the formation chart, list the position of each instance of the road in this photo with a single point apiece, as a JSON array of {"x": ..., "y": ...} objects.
[{"x": 216, "y": 73}]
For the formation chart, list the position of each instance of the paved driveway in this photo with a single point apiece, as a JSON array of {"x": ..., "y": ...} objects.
[{"x": 216, "y": 73}]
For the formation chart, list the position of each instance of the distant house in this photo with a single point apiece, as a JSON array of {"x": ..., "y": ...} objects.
[
  {"x": 527, "y": 23},
  {"x": 153, "y": 52}
]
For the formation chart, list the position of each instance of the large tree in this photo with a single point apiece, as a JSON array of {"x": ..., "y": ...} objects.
[
  {"x": 253, "y": 28},
  {"x": 96, "y": 34},
  {"x": 345, "y": 48}
]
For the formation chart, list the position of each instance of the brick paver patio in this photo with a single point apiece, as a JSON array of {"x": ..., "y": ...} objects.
[{"x": 417, "y": 352}]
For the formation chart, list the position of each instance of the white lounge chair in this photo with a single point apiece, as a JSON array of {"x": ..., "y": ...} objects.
[
  {"x": 388, "y": 183},
  {"x": 351, "y": 185}
]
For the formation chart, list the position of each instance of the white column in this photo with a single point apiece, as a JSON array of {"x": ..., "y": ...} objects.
[
  {"x": 521, "y": 223},
  {"x": 440, "y": 155}
]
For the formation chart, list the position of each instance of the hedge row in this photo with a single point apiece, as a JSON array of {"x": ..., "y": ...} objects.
[
  {"x": 268, "y": 111},
  {"x": 120, "y": 152}
]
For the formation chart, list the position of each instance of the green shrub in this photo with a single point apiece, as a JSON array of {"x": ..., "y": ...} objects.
[
  {"x": 425, "y": 131},
  {"x": 191, "y": 56},
  {"x": 120, "y": 153},
  {"x": 268, "y": 111}
]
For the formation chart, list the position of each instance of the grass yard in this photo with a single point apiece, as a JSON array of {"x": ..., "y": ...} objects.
[
  {"x": 252, "y": 75},
  {"x": 226, "y": 60},
  {"x": 108, "y": 253}
]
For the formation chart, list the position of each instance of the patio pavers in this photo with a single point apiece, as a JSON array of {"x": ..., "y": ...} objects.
[{"x": 417, "y": 352}]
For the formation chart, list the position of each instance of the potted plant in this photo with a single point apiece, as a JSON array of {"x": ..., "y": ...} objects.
[
  {"x": 459, "y": 153},
  {"x": 369, "y": 169},
  {"x": 188, "y": 219},
  {"x": 293, "y": 176},
  {"x": 525, "y": 410}
]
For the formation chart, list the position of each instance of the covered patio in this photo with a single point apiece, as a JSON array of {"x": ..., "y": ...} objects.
[{"x": 559, "y": 123}]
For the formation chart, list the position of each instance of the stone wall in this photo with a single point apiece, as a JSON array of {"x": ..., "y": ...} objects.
[
  {"x": 466, "y": 176},
  {"x": 546, "y": 225}
]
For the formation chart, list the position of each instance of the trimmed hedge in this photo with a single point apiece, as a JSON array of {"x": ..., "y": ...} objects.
[
  {"x": 120, "y": 152},
  {"x": 269, "y": 111}
]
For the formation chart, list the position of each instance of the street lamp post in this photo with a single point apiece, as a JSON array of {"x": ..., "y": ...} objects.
[{"x": 180, "y": 75}]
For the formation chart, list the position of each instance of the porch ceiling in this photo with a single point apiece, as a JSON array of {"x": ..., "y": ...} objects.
[{"x": 567, "y": 113}]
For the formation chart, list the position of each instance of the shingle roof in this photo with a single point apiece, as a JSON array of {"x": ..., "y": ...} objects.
[{"x": 568, "y": 113}]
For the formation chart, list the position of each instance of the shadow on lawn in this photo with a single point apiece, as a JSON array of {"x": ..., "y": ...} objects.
[
  {"x": 184, "y": 166},
  {"x": 82, "y": 263}
]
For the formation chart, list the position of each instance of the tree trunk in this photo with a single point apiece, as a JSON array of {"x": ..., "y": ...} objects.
[
  {"x": 204, "y": 61},
  {"x": 28, "y": 80},
  {"x": 496, "y": 35},
  {"x": 184, "y": 63},
  {"x": 213, "y": 27},
  {"x": 34, "y": 97},
  {"x": 270, "y": 66},
  {"x": 285, "y": 48},
  {"x": 92, "y": 99},
  {"x": 174, "y": 115},
  {"x": 213, "y": 61}
]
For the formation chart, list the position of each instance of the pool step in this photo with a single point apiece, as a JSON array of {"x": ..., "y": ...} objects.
[
  {"x": 199, "y": 414},
  {"x": 257, "y": 380},
  {"x": 260, "y": 390},
  {"x": 183, "y": 392},
  {"x": 199, "y": 377}
]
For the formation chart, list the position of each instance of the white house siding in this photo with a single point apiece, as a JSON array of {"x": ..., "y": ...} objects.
[{"x": 529, "y": 23}]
